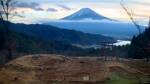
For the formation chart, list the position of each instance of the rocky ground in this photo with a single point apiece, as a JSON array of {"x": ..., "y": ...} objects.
[{"x": 56, "y": 69}]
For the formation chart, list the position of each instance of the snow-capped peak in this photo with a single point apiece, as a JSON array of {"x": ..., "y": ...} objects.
[{"x": 85, "y": 13}]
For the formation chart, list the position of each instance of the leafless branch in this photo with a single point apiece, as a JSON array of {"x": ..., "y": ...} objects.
[
  {"x": 8, "y": 9},
  {"x": 149, "y": 23},
  {"x": 6, "y": 13},
  {"x": 131, "y": 16},
  {"x": 3, "y": 6},
  {"x": 1, "y": 17}
]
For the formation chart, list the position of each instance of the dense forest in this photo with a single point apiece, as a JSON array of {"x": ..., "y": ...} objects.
[{"x": 140, "y": 46}]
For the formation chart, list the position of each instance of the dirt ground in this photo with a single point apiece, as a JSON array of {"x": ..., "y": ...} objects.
[{"x": 57, "y": 69}]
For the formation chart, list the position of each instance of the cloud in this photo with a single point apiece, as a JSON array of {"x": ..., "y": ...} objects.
[
  {"x": 27, "y": 5},
  {"x": 52, "y": 10},
  {"x": 39, "y": 9},
  {"x": 137, "y": 2},
  {"x": 64, "y": 7},
  {"x": 31, "y": 5}
]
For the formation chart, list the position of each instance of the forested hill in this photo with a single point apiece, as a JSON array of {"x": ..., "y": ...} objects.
[
  {"x": 22, "y": 44},
  {"x": 46, "y": 32},
  {"x": 140, "y": 46},
  {"x": 34, "y": 39}
]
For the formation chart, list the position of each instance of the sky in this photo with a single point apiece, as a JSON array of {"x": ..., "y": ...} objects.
[{"x": 38, "y": 10}]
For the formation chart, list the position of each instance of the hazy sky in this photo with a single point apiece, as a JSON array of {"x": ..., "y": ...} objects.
[{"x": 35, "y": 10}]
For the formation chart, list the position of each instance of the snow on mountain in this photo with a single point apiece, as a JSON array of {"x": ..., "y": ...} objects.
[
  {"x": 88, "y": 21},
  {"x": 85, "y": 14}
]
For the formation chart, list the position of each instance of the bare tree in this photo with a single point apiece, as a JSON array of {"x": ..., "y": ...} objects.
[
  {"x": 7, "y": 8},
  {"x": 131, "y": 16},
  {"x": 7, "y": 11}
]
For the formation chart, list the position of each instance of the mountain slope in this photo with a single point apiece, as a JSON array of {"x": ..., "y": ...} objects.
[
  {"x": 49, "y": 33},
  {"x": 116, "y": 29},
  {"x": 88, "y": 21},
  {"x": 85, "y": 13},
  {"x": 25, "y": 44}
]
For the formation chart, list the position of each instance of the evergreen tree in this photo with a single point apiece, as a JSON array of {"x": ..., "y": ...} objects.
[{"x": 140, "y": 45}]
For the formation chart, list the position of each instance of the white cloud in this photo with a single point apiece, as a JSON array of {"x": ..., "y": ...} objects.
[{"x": 108, "y": 8}]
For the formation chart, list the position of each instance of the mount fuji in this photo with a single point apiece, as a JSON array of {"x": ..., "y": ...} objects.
[
  {"x": 84, "y": 14},
  {"x": 88, "y": 21}
]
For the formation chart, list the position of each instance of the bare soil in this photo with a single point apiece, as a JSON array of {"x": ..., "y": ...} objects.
[{"x": 57, "y": 69}]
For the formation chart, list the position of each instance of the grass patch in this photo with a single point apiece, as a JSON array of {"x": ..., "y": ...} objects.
[
  {"x": 119, "y": 79},
  {"x": 116, "y": 78}
]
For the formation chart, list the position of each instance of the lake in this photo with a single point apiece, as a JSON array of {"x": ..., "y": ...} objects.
[{"x": 118, "y": 43}]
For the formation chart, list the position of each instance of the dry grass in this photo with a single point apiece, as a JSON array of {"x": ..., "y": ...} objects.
[
  {"x": 51, "y": 68},
  {"x": 56, "y": 69}
]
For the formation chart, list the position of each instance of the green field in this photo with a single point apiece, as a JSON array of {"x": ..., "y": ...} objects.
[{"x": 122, "y": 78}]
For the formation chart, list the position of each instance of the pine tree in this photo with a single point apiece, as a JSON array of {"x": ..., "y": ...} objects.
[{"x": 140, "y": 45}]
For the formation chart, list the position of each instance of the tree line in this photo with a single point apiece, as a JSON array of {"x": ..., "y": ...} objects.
[{"x": 140, "y": 45}]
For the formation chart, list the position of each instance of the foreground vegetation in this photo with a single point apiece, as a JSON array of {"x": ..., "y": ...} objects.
[{"x": 56, "y": 69}]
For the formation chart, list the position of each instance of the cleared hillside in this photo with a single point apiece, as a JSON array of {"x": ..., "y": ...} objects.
[
  {"x": 56, "y": 69},
  {"x": 45, "y": 69}
]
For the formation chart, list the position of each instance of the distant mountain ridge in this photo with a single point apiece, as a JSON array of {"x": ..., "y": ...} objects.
[
  {"x": 46, "y": 32},
  {"x": 118, "y": 30},
  {"x": 88, "y": 21},
  {"x": 85, "y": 13}
]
